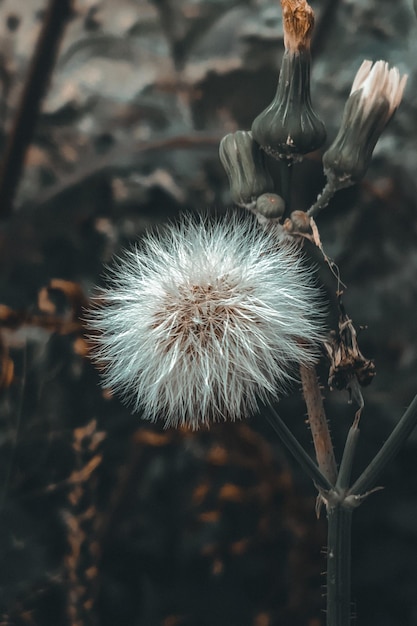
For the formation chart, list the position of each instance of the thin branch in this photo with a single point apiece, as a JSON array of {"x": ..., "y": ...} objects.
[
  {"x": 297, "y": 450},
  {"x": 322, "y": 201},
  {"x": 37, "y": 81},
  {"x": 345, "y": 470},
  {"x": 389, "y": 450}
]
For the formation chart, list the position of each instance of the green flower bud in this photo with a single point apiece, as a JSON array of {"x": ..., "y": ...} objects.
[
  {"x": 289, "y": 128},
  {"x": 270, "y": 205},
  {"x": 245, "y": 167}
]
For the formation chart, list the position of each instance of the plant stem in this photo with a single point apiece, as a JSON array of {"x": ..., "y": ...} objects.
[
  {"x": 322, "y": 200},
  {"x": 339, "y": 519},
  {"x": 285, "y": 170},
  {"x": 318, "y": 423},
  {"x": 297, "y": 450},
  {"x": 388, "y": 451},
  {"x": 345, "y": 469}
]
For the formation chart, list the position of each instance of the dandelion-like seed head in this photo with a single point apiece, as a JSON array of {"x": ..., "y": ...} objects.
[{"x": 203, "y": 318}]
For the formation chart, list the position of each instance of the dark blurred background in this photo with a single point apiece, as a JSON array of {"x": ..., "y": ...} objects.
[{"x": 105, "y": 519}]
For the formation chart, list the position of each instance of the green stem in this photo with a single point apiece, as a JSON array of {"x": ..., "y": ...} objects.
[
  {"x": 338, "y": 564},
  {"x": 322, "y": 200},
  {"x": 388, "y": 451},
  {"x": 285, "y": 170},
  {"x": 345, "y": 470},
  {"x": 297, "y": 450}
]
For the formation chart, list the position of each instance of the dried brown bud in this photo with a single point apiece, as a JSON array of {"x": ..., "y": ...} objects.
[
  {"x": 298, "y": 222},
  {"x": 298, "y": 17}
]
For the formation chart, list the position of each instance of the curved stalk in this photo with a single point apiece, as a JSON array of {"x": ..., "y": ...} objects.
[
  {"x": 297, "y": 450},
  {"x": 388, "y": 451}
]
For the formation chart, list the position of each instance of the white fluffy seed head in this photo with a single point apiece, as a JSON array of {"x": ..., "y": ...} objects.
[{"x": 197, "y": 322}]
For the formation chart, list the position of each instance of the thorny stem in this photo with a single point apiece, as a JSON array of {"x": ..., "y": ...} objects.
[
  {"x": 24, "y": 124},
  {"x": 388, "y": 451},
  {"x": 297, "y": 450},
  {"x": 339, "y": 519},
  {"x": 322, "y": 200},
  {"x": 318, "y": 423}
]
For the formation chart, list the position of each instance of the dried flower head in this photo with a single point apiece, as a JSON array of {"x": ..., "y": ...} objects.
[
  {"x": 376, "y": 81},
  {"x": 375, "y": 96},
  {"x": 200, "y": 320},
  {"x": 298, "y": 22}
]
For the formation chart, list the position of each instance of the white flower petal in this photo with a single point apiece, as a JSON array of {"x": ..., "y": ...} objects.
[{"x": 378, "y": 81}]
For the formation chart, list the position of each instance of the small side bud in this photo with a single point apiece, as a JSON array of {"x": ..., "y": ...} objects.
[
  {"x": 375, "y": 96},
  {"x": 270, "y": 205},
  {"x": 298, "y": 223},
  {"x": 244, "y": 164}
]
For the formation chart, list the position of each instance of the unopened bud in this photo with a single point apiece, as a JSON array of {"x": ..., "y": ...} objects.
[
  {"x": 244, "y": 164},
  {"x": 270, "y": 205},
  {"x": 289, "y": 128}
]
